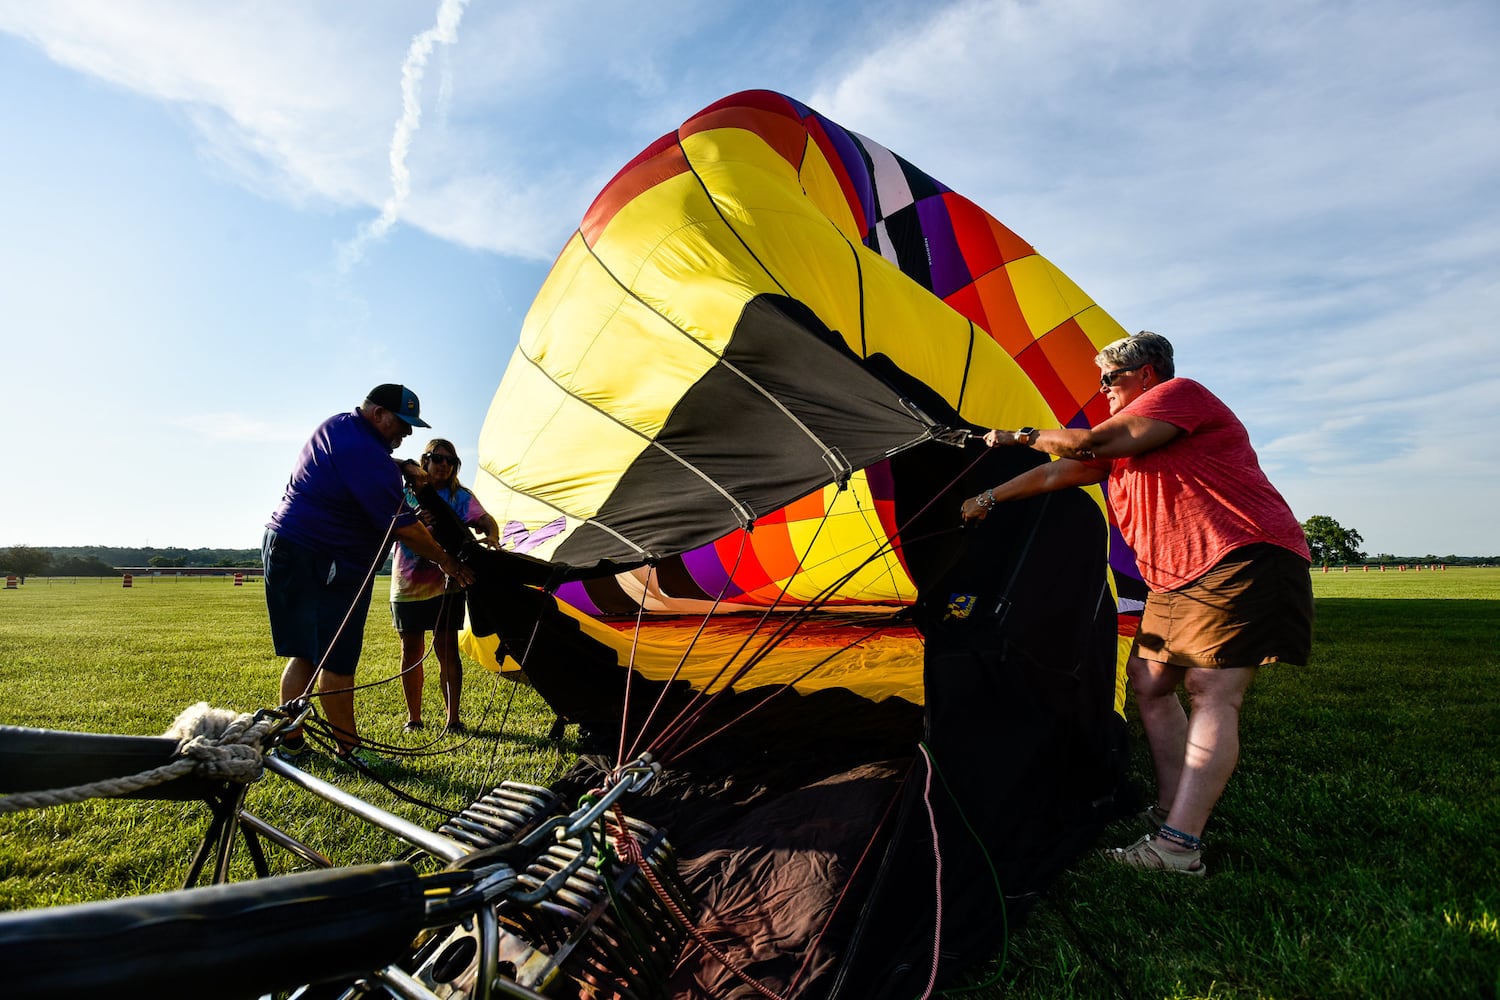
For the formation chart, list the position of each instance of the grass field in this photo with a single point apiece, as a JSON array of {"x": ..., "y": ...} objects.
[{"x": 1355, "y": 853}]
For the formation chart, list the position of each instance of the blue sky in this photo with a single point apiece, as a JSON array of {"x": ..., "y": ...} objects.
[{"x": 221, "y": 224}]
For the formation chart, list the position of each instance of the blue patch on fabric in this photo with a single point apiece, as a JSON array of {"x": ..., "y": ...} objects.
[{"x": 960, "y": 605}]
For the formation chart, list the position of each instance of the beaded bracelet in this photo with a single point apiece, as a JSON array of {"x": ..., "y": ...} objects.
[
  {"x": 1176, "y": 836},
  {"x": 986, "y": 499}
]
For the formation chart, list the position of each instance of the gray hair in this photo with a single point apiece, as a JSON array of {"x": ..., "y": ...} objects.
[{"x": 1138, "y": 349}]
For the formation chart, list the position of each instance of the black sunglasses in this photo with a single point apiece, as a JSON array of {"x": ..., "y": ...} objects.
[
  {"x": 1110, "y": 378},
  {"x": 437, "y": 456}
]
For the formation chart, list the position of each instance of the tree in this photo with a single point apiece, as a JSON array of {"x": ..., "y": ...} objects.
[
  {"x": 24, "y": 561},
  {"x": 78, "y": 566},
  {"x": 1330, "y": 541}
]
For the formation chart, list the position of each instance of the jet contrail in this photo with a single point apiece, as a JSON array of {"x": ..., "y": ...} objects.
[{"x": 412, "y": 70}]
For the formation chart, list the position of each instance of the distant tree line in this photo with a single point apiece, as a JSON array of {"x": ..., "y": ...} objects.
[
  {"x": 102, "y": 560},
  {"x": 1448, "y": 560},
  {"x": 1332, "y": 544}
]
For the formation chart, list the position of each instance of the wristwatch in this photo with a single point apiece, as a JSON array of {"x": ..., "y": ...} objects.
[{"x": 1030, "y": 434}]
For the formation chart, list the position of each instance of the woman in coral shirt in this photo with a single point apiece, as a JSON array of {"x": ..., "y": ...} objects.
[{"x": 1222, "y": 553}]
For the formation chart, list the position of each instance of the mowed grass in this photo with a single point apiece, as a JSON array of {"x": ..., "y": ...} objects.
[
  {"x": 1355, "y": 854},
  {"x": 93, "y": 656}
]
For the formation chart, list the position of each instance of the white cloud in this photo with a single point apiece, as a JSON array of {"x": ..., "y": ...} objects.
[
  {"x": 1305, "y": 197},
  {"x": 540, "y": 104},
  {"x": 278, "y": 89},
  {"x": 413, "y": 70}
]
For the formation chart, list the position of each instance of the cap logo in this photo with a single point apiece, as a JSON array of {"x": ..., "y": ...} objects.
[{"x": 399, "y": 400}]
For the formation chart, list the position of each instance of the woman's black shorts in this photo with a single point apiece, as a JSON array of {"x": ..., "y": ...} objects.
[{"x": 435, "y": 614}]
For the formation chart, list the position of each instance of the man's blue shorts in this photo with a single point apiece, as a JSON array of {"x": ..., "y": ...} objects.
[{"x": 309, "y": 597}]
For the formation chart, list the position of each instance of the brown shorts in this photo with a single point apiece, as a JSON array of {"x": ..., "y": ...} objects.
[{"x": 1255, "y": 606}]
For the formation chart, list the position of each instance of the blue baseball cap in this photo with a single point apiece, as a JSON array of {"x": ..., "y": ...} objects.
[{"x": 399, "y": 400}]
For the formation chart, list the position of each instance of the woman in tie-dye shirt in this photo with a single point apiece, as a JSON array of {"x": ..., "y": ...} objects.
[{"x": 422, "y": 600}]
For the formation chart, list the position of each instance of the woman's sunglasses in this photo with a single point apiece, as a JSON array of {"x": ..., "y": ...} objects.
[
  {"x": 1110, "y": 378},
  {"x": 437, "y": 456}
]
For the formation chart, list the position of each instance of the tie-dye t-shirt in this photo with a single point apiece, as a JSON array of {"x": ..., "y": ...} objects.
[{"x": 416, "y": 579}]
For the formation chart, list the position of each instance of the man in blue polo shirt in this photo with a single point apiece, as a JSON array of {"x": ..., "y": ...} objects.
[{"x": 341, "y": 510}]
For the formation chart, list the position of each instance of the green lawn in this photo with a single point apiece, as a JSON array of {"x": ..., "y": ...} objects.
[
  {"x": 1355, "y": 854},
  {"x": 96, "y": 657}
]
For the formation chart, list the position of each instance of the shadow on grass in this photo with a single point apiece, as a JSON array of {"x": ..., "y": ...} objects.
[{"x": 1353, "y": 855}]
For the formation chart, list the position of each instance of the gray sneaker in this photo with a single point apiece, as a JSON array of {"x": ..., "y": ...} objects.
[{"x": 292, "y": 753}]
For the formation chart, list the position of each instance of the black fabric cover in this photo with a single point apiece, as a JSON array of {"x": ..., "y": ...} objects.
[
  {"x": 768, "y": 882},
  {"x": 1019, "y": 720},
  {"x": 222, "y": 941},
  {"x": 33, "y": 760},
  {"x": 1020, "y": 723}
]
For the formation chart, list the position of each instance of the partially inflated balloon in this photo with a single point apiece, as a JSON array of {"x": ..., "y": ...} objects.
[{"x": 754, "y": 315}]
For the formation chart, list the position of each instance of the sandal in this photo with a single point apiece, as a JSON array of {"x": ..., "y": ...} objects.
[
  {"x": 1145, "y": 854},
  {"x": 415, "y": 726}
]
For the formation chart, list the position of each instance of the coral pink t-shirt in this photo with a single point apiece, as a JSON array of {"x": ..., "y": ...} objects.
[{"x": 1184, "y": 506}]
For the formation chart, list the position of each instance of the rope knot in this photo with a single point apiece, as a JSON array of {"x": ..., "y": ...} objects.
[
  {"x": 221, "y": 744},
  {"x": 238, "y": 762}
]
